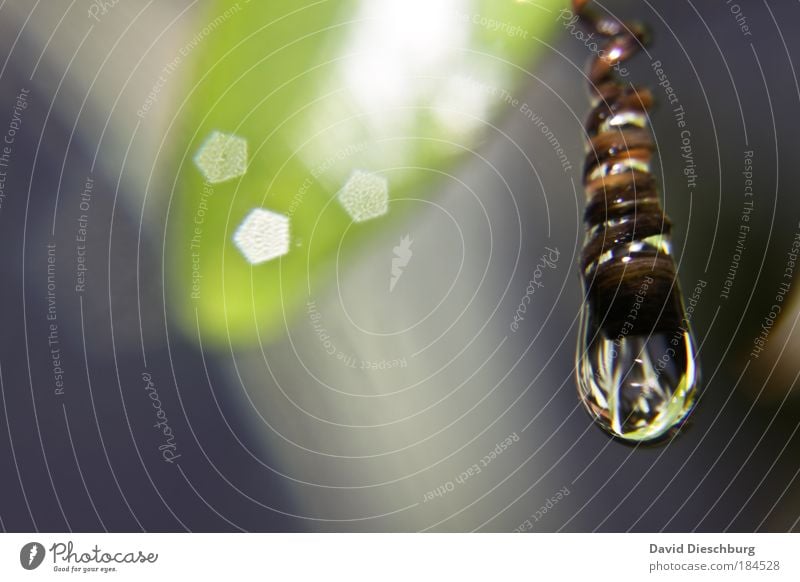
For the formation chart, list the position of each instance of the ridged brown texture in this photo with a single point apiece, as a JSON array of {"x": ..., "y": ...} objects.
[{"x": 631, "y": 287}]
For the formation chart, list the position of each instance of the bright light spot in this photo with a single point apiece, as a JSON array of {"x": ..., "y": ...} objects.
[
  {"x": 396, "y": 46},
  {"x": 222, "y": 156},
  {"x": 400, "y": 64},
  {"x": 462, "y": 103},
  {"x": 365, "y": 196},
  {"x": 262, "y": 236}
]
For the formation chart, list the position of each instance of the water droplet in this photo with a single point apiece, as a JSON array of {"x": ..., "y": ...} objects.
[
  {"x": 637, "y": 383},
  {"x": 223, "y": 156},
  {"x": 365, "y": 196},
  {"x": 262, "y": 236}
]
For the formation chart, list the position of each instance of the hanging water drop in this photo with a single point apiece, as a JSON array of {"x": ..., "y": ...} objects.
[
  {"x": 636, "y": 362},
  {"x": 637, "y": 378}
]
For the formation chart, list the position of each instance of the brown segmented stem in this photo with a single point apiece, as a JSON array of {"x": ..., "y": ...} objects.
[{"x": 627, "y": 229}]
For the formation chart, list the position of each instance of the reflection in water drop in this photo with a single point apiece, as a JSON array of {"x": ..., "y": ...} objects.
[{"x": 637, "y": 387}]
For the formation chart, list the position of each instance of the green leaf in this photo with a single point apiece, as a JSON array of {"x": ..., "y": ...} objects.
[{"x": 398, "y": 88}]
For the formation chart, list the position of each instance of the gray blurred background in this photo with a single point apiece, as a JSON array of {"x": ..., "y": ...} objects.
[{"x": 291, "y": 437}]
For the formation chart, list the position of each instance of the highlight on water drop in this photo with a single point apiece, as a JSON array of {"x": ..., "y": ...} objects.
[{"x": 636, "y": 367}]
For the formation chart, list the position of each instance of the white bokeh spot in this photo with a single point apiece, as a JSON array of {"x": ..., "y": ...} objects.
[
  {"x": 365, "y": 196},
  {"x": 223, "y": 156},
  {"x": 262, "y": 236}
]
